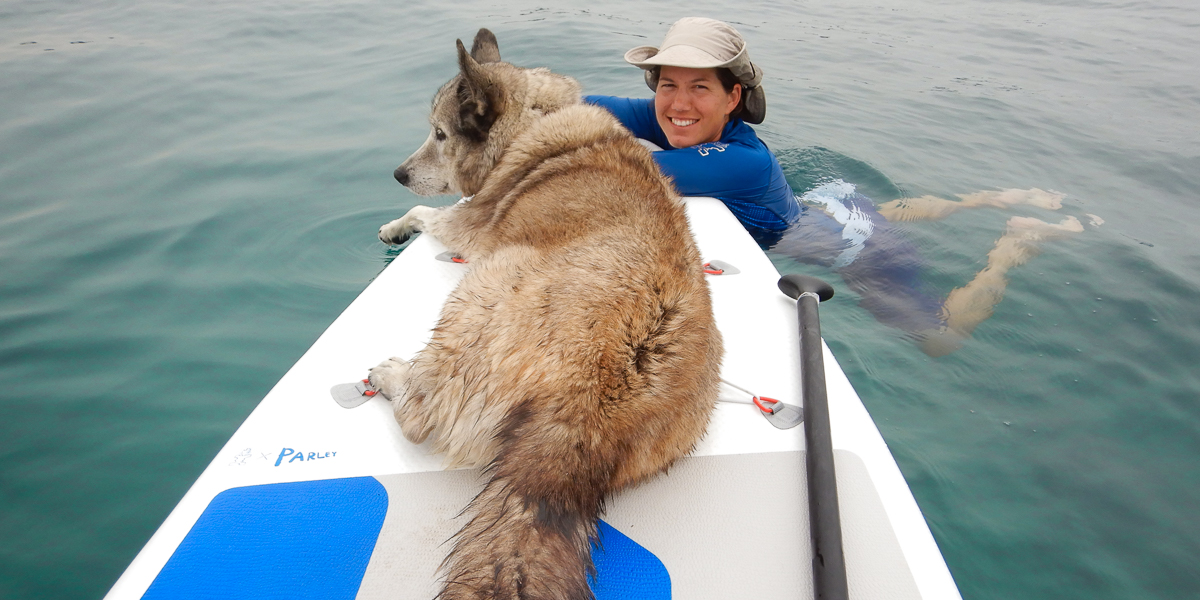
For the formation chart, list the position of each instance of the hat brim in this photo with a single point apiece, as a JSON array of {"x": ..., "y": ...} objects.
[{"x": 649, "y": 57}]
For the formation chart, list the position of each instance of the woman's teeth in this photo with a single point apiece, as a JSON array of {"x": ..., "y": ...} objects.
[{"x": 682, "y": 122}]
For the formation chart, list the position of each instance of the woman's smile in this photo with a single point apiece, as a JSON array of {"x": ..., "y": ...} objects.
[{"x": 692, "y": 105}]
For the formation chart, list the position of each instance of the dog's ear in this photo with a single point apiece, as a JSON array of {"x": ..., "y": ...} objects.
[
  {"x": 485, "y": 49},
  {"x": 477, "y": 107}
]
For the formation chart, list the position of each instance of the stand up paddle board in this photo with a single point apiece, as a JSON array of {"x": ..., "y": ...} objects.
[{"x": 319, "y": 495}]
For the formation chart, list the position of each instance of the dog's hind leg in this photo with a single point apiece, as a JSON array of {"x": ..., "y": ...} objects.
[
  {"x": 394, "y": 379},
  {"x": 441, "y": 393},
  {"x": 416, "y": 219}
]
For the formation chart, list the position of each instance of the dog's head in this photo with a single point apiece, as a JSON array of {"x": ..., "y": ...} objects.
[{"x": 476, "y": 115}]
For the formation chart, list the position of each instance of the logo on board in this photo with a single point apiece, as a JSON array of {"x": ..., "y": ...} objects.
[{"x": 284, "y": 456}]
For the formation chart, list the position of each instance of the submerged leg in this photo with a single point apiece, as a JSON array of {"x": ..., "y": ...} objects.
[
  {"x": 928, "y": 208},
  {"x": 968, "y": 306}
]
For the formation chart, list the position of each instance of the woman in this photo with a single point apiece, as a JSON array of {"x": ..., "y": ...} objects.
[{"x": 705, "y": 90}]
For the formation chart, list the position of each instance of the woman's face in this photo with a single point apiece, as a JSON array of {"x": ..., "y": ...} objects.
[{"x": 691, "y": 105}]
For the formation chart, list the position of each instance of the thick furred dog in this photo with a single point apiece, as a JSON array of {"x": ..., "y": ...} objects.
[{"x": 578, "y": 356}]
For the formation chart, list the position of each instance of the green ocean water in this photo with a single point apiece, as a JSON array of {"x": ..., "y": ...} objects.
[{"x": 189, "y": 195}]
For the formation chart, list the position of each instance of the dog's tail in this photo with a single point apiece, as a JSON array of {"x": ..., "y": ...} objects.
[{"x": 533, "y": 524}]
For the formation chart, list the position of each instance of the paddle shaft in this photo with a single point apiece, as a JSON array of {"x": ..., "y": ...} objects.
[{"x": 828, "y": 561}]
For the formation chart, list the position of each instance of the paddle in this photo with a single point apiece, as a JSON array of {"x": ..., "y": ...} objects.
[{"x": 828, "y": 563}]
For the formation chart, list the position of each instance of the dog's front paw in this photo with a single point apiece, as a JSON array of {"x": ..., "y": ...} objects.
[
  {"x": 397, "y": 232},
  {"x": 390, "y": 377},
  {"x": 418, "y": 218}
]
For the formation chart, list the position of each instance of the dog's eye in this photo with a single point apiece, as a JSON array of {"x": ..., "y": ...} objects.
[{"x": 439, "y": 134}]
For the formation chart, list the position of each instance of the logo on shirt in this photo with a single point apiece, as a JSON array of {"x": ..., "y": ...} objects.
[{"x": 704, "y": 149}]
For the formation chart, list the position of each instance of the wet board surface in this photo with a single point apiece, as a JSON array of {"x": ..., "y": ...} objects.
[{"x": 311, "y": 499}]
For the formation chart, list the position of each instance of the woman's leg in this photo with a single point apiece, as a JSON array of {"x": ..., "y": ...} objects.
[
  {"x": 928, "y": 208},
  {"x": 968, "y": 306}
]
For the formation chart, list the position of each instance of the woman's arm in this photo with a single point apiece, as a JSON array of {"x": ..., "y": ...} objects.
[
  {"x": 741, "y": 171},
  {"x": 636, "y": 114},
  {"x": 717, "y": 169},
  {"x": 705, "y": 170}
]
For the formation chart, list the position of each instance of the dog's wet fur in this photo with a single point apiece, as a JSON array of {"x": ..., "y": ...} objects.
[{"x": 578, "y": 356}]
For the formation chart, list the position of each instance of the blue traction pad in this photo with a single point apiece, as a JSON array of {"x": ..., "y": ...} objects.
[
  {"x": 626, "y": 570},
  {"x": 313, "y": 539},
  {"x": 308, "y": 539}
]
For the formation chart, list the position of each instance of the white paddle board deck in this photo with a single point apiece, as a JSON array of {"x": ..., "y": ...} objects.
[{"x": 312, "y": 500}]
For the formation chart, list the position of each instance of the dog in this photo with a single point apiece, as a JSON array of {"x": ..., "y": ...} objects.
[{"x": 578, "y": 356}]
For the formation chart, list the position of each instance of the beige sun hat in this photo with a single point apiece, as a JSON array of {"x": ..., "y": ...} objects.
[{"x": 700, "y": 43}]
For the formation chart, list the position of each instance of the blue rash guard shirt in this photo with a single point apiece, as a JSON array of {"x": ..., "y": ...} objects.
[{"x": 738, "y": 169}]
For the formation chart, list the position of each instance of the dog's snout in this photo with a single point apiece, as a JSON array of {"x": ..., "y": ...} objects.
[{"x": 401, "y": 175}]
